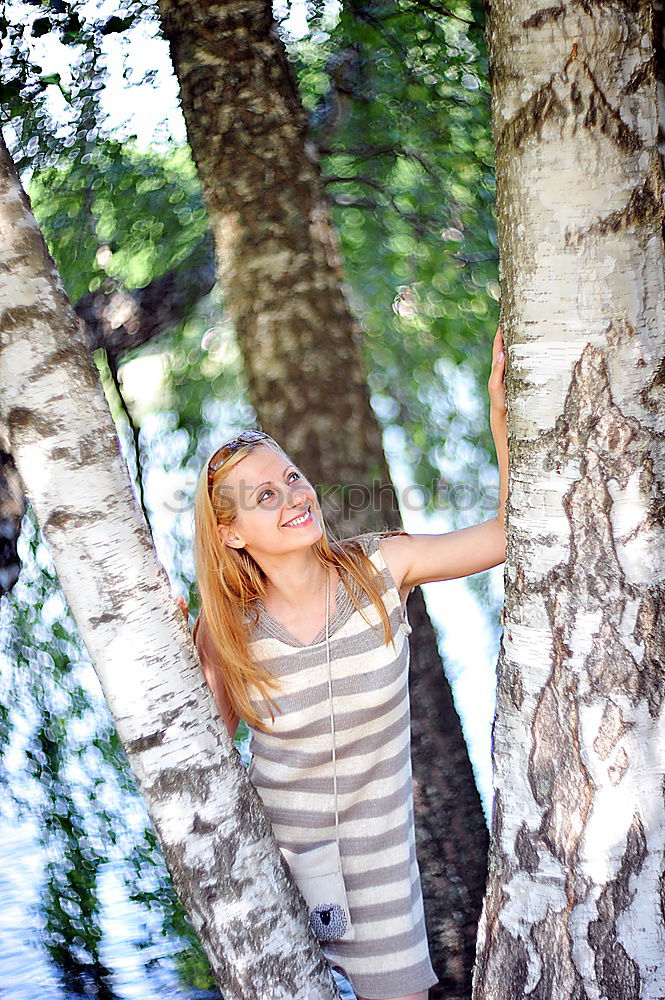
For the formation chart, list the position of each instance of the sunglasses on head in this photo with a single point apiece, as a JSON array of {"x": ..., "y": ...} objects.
[{"x": 223, "y": 454}]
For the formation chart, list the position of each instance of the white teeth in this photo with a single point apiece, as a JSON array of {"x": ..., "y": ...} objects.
[{"x": 297, "y": 520}]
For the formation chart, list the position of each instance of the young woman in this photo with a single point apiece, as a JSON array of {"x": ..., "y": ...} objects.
[{"x": 305, "y": 638}]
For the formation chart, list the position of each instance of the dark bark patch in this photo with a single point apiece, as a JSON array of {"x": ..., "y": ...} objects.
[
  {"x": 502, "y": 962},
  {"x": 607, "y": 119},
  {"x": 143, "y": 743},
  {"x": 650, "y": 629},
  {"x": 644, "y": 208},
  {"x": 592, "y": 423},
  {"x": 103, "y": 619},
  {"x": 20, "y": 319},
  {"x": 611, "y": 667},
  {"x": 516, "y": 688},
  {"x": 594, "y": 567},
  {"x": 572, "y": 94},
  {"x": 61, "y": 520},
  {"x": 27, "y": 425},
  {"x": 558, "y": 778},
  {"x": 94, "y": 447},
  {"x": 74, "y": 359},
  {"x": 642, "y": 76},
  {"x": 611, "y": 729},
  {"x": 501, "y": 970},
  {"x": 652, "y": 396},
  {"x": 201, "y": 826},
  {"x": 525, "y": 852},
  {"x": 199, "y": 782},
  {"x": 617, "y": 973},
  {"x": 558, "y": 974},
  {"x": 497, "y": 816},
  {"x": 550, "y": 15},
  {"x": 542, "y": 106},
  {"x": 546, "y": 15}
]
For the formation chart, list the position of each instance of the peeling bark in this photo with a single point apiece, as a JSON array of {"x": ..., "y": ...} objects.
[
  {"x": 659, "y": 73},
  {"x": 279, "y": 265},
  {"x": 573, "y": 909},
  {"x": 210, "y": 823}
]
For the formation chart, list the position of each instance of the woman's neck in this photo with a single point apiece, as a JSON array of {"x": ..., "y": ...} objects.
[{"x": 297, "y": 584}]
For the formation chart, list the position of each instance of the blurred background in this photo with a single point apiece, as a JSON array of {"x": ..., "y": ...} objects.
[{"x": 397, "y": 97}]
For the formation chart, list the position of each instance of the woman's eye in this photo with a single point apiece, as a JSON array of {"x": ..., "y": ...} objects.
[
  {"x": 296, "y": 474},
  {"x": 266, "y": 493}
]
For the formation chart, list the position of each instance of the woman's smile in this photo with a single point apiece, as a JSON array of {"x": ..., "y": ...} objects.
[{"x": 299, "y": 519}]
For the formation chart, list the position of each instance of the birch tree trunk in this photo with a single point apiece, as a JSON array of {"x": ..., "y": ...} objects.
[
  {"x": 659, "y": 65},
  {"x": 575, "y": 898},
  {"x": 209, "y": 820},
  {"x": 279, "y": 266}
]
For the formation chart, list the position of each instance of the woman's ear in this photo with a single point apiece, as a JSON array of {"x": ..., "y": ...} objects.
[{"x": 230, "y": 537}]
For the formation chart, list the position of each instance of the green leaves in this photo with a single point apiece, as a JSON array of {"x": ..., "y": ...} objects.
[
  {"x": 400, "y": 110},
  {"x": 116, "y": 24},
  {"x": 121, "y": 215},
  {"x": 41, "y": 26}
]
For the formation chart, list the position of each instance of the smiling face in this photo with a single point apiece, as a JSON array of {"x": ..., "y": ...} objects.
[{"x": 277, "y": 510}]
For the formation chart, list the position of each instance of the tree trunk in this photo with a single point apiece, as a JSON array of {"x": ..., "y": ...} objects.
[
  {"x": 279, "y": 265},
  {"x": 575, "y": 896},
  {"x": 659, "y": 65},
  {"x": 209, "y": 820},
  {"x": 116, "y": 320}
]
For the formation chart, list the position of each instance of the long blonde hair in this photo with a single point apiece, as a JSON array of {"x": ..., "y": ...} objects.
[{"x": 230, "y": 581}]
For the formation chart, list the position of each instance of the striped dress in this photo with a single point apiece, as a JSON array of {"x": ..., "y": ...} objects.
[{"x": 291, "y": 769}]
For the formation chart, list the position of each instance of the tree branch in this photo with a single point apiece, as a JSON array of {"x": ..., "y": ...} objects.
[{"x": 116, "y": 319}]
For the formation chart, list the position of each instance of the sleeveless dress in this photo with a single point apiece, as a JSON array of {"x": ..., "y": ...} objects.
[{"x": 291, "y": 769}]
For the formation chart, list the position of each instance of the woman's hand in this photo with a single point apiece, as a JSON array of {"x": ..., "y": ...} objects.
[
  {"x": 498, "y": 421},
  {"x": 496, "y": 384},
  {"x": 183, "y": 605}
]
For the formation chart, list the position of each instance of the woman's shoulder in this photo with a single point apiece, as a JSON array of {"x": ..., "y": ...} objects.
[
  {"x": 372, "y": 542},
  {"x": 388, "y": 552},
  {"x": 378, "y": 547},
  {"x": 367, "y": 542}
]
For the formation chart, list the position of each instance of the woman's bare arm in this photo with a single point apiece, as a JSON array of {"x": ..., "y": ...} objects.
[{"x": 416, "y": 559}]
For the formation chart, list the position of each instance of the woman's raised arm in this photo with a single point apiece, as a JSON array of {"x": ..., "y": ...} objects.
[{"x": 416, "y": 559}]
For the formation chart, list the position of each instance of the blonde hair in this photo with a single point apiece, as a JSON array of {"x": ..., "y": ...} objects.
[{"x": 230, "y": 581}]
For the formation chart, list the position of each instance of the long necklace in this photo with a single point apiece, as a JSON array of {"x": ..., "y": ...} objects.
[{"x": 332, "y": 710}]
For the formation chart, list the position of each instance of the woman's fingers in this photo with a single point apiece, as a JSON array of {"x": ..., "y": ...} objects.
[
  {"x": 498, "y": 350},
  {"x": 495, "y": 383},
  {"x": 498, "y": 353},
  {"x": 183, "y": 604}
]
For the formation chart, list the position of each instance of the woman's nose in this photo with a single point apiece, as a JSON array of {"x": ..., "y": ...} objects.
[{"x": 297, "y": 494}]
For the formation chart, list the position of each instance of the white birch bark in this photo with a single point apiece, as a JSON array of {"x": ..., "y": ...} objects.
[
  {"x": 575, "y": 899},
  {"x": 209, "y": 820}
]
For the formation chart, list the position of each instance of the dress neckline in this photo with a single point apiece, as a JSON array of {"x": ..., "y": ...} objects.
[{"x": 275, "y": 628}]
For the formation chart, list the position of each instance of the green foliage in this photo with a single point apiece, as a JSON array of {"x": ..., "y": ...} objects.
[
  {"x": 122, "y": 216},
  {"x": 45, "y": 697},
  {"x": 152, "y": 888},
  {"x": 400, "y": 109},
  {"x": 54, "y": 115}
]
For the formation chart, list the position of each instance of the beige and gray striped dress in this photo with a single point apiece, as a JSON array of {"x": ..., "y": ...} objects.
[{"x": 291, "y": 769}]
